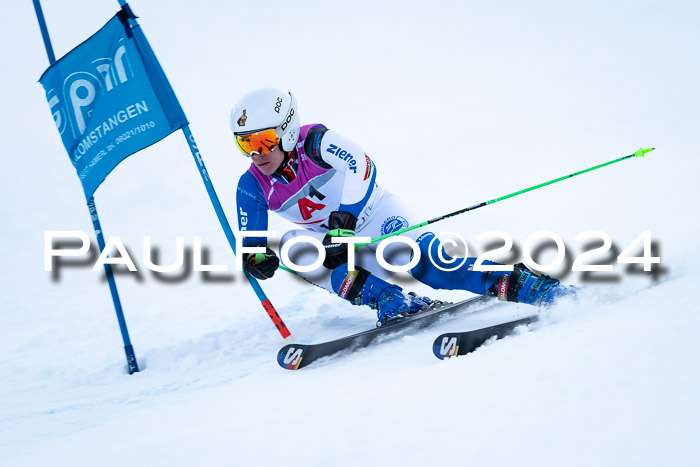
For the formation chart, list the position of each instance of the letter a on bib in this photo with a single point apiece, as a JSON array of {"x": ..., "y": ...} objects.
[{"x": 308, "y": 207}]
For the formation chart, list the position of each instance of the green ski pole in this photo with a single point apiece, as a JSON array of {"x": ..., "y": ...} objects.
[{"x": 639, "y": 153}]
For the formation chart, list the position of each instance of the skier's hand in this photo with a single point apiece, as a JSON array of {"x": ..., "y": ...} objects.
[
  {"x": 340, "y": 224},
  {"x": 261, "y": 265}
]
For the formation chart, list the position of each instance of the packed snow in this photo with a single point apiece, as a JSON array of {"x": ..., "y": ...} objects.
[{"x": 457, "y": 103}]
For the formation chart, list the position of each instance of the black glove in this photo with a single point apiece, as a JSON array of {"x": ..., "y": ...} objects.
[
  {"x": 261, "y": 265},
  {"x": 340, "y": 224}
]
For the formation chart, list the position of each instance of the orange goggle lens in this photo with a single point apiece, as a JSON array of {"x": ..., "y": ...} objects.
[{"x": 262, "y": 142}]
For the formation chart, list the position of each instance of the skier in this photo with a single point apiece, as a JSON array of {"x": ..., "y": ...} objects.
[{"x": 327, "y": 185}]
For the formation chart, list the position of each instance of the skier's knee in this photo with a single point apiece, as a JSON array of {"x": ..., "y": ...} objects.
[
  {"x": 440, "y": 271},
  {"x": 288, "y": 235},
  {"x": 427, "y": 270}
]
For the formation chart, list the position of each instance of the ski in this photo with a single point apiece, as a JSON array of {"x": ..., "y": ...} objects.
[
  {"x": 452, "y": 344},
  {"x": 296, "y": 356}
]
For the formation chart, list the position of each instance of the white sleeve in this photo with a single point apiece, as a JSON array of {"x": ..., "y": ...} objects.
[{"x": 349, "y": 158}]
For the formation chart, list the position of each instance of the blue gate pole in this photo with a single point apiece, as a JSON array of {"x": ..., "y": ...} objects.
[
  {"x": 132, "y": 365},
  {"x": 264, "y": 301},
  {"x": 44, "y": 31}
]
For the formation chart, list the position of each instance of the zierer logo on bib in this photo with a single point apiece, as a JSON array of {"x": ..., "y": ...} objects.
[{"x": 343, "y": 155}]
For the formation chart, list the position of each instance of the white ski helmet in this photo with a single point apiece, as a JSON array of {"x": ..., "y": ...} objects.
[{"x": 265, "y": 109}]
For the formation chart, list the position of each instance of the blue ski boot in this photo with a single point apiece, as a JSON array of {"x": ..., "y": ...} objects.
[
  {"x": 360, "y": 287},
  {"x": 393, "y": 304},
  {"x": 524, "y": 286}
]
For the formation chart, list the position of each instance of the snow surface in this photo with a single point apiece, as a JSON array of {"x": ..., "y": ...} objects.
[{"x": 457, "y": 103}]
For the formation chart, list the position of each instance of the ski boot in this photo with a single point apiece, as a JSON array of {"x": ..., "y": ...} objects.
[
  {"x": 360, "y": 287},
  {"x": 394, "y": 304},
  {"x": 524, "y": 286}
]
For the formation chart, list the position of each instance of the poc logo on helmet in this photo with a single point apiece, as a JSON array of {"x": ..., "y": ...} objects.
[
  {"x": 287, "y": 120},
  {"x": 278, "y": 105}
]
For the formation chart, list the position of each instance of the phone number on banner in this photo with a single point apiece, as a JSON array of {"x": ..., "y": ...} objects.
[{"x": 135, "y": 131}]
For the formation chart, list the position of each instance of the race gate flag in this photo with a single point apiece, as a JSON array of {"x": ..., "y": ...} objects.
[{"x": 110, "y": 98}]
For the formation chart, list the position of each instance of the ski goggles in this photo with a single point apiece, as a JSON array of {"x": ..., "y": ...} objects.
[{"x": 261, "y": 142}]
